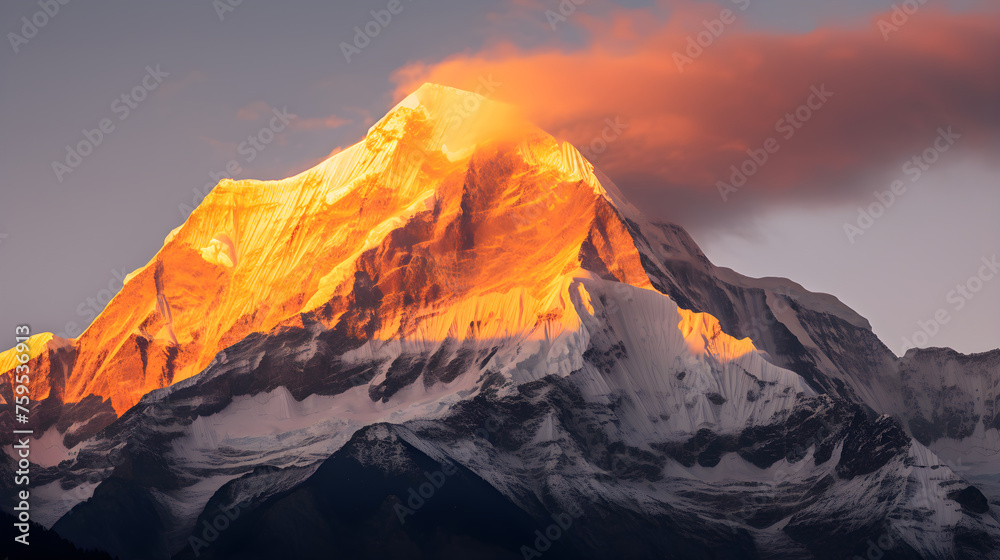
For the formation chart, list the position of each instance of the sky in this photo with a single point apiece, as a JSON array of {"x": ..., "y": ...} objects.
[{"x": 849, "y": 146}]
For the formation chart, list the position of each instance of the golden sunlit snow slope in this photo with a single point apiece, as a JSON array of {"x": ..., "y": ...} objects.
[
  {"x": 449, "y": 198},
  {"x": 448, "y": 195}
]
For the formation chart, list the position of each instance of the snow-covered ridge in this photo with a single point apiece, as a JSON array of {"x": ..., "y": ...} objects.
[{"x": 457, "y": 260}]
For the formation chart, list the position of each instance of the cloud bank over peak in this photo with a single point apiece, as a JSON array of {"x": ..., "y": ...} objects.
[{"x": 693, "y": 92}]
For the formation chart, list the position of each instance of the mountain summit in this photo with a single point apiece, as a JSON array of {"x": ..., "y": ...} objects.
[
  {"x": 440, "y": 202},
  {"x": 462, "y": 293}
]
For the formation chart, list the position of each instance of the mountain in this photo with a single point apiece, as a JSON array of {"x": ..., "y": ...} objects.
[{"x": 456, "y": 338}]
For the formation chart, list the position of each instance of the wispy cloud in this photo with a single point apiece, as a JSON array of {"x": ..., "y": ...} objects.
[
  {"x": 173, "y": 87},
  {"x": 253, "y": 111},
  {"x": 686, "y": 128}
]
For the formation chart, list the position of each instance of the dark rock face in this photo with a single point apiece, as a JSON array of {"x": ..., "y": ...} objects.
[
  {"x": 359, "y": 501},
  {"x": 381, "y": 497},
  {"x": 870, "y": 445},
  {"x": 392, "y": 491},
  {"x": 137, "y": 530},
  {"x": 971, "y": 499}
]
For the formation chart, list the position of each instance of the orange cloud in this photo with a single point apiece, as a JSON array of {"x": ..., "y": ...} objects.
[
  {"x": 253, "y": 111},
  {"x": 688, "y": 123}
]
